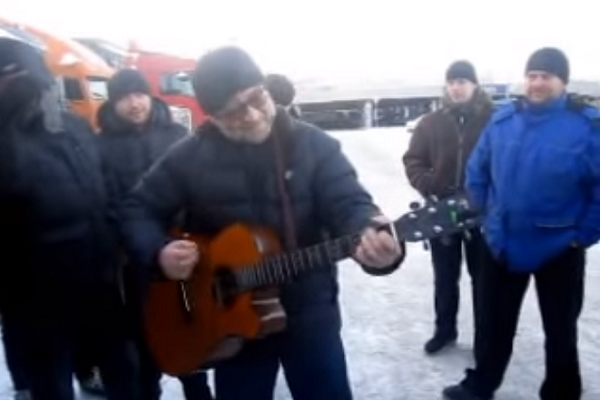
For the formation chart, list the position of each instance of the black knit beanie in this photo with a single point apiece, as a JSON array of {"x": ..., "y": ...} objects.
[
  {"x": 550, "y": 60},
  {"x": 281, "y": 89},
  {"x": 222, "y": 73},
  {"x": 126, "y": 82},
  {"x": 461, "y": 70},
  {"x": 16, "y": 56}
]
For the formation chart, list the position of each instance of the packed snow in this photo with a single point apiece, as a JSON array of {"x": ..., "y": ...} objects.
[{"x": 388, "y": 319}]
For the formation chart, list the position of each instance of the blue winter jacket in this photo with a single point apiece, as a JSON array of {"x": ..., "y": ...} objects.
[{"x": 535, "y": 173}]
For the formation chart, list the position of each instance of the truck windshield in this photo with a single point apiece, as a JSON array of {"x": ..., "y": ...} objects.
[
  {"x": 178, "y": 84},
  {"x": 97, "y": 86}
]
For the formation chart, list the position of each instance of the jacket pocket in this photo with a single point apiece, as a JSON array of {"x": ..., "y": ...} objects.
[{"x": 555, "y": 223}]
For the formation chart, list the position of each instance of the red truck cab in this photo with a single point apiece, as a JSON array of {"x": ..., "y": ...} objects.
[{"x": 167, "y": 75}]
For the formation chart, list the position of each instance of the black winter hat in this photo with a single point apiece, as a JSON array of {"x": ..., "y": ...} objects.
[
  {"x": 126, "y": 82},
  {"x": 551, "y": 60},
  {"x": 281, "y": 89},
  {"x": 16, "y": 56},
  {"x": 461, "y": 70},
  {"x": 222, "y": 73}
]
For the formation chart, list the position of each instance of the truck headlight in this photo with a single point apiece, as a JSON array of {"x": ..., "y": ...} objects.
[{"x": 182, "y": 115}]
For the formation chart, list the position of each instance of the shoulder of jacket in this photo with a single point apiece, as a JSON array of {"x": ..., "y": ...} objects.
[
  {"x": 75, "y": 123},
  {"x": 184, "y": 145},
  {"x": 505, "y": 112},
  {"x": 175, "y": 131},
  {"x": 430, "y": 121},
  {"x": 585, "y": 110},
  {"x": 304, "y": 131}
]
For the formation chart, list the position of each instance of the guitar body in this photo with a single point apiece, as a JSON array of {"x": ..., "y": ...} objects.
[
  {"x": 230, "y": 297},
  {"x": 193, "y": 325}
]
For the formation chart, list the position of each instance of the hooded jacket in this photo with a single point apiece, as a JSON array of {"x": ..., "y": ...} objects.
[{"x": 128, "y": 151}]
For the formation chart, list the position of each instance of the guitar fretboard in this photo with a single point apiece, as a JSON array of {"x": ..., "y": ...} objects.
[{"x": 280, "y": 268}]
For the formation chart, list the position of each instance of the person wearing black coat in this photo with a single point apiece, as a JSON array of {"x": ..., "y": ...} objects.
[
  {"x": 253, "y": 164},
  {"x": 136, "y": 130},
  {"x": 58, "y": 277}
]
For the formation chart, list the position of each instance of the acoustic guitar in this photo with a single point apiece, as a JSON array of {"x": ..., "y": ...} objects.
[{"x": 232, "y": 295}]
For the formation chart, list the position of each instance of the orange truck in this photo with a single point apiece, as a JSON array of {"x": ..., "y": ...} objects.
[
  {"x": 168, "y": 75},
  {"x": 82, "y": 73}
]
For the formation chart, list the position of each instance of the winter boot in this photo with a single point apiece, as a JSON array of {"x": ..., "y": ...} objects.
[{"x": 439, "y": 342}]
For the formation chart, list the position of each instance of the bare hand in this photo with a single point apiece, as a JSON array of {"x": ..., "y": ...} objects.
[
  {"x": 378, "y": 249},
  {"x": 178, "y": 259}
]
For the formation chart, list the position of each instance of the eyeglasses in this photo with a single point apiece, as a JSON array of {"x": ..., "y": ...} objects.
[{"x": 238, "y": 109}]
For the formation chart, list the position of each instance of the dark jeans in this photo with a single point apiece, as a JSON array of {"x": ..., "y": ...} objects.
[
  {"x": 195, "y": 386},
  {"x": 92, "y": 318},
  {"x": 16, "y": 351},
  {"x": 560, "y": 289},
  {"x": 84, "y": 362},
  {"x": 313, "y": 362},
  {"x": 447, "y": 258}
]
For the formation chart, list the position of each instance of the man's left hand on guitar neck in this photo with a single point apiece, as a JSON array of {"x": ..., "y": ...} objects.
[{"x": 378, "y": 249}]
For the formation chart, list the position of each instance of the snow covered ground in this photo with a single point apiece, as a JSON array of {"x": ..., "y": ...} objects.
[{"x": 387, "y": 319}]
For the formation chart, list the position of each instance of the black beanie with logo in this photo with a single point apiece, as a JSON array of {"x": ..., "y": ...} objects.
[
  {"x": 126, "y": 82},
  {"x": 550, "y": 60},
  {"x": 222, "y": 73},
  {"x": 461, "y": 70}
]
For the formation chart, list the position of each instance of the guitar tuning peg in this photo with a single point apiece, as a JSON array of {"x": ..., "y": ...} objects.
[
  {"x": 426, "y": 246},
  {"x": 414, "y": 205},
  {"x": 434, "y": 199}
]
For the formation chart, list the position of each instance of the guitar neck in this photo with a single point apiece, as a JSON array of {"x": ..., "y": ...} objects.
[
  {"x": 281, "y": 268},
  {"x": 435, "y": 220}
]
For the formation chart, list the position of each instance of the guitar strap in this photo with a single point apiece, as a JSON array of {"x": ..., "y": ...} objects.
[{"x": 282, "y": 139}]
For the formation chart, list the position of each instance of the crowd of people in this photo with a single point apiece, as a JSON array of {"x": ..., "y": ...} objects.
[{"x": 85, "y": 221}]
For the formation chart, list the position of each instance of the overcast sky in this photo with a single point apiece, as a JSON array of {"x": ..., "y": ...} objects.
[{"x": 409, "y": 40}]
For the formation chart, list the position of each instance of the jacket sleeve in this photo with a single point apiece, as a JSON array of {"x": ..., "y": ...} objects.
[
  {"x": 417, "y": 160},
  {"x": 478, "y": 170},
  {"x": 589, "y": 225},
  {"x": 148, "y": 211},
  {"x": 343, "y": 204},
  {"x": 109, "y": 176}
]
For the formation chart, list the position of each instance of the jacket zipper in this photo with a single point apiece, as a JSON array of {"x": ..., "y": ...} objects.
[{"x": 459, "y": 163}]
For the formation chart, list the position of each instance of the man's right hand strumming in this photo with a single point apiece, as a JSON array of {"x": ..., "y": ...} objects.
[{"x": 178, "y": 259}]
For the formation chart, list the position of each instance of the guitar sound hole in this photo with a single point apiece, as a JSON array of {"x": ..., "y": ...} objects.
[{"x": 224, "y": 286}]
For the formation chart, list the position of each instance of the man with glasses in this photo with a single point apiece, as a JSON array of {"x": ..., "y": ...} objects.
[{"x": 252, "y": 163}]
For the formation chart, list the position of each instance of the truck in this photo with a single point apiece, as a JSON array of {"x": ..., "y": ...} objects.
[
  {"x": 82, "y": 74},
  {"x": 168, "y": 75}
]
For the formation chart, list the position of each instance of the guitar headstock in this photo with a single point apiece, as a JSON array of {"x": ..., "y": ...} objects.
[{"x": 437, "y": 218}]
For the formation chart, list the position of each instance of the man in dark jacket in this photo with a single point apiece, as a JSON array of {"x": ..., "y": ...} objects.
[
  {"x": 535, "y": 174},
  {"x": 58, "y": 281},
  {"x": 253, "y": 164},
  {"x": 136, "y": 129},
  {"x": 435, "y": 166}
]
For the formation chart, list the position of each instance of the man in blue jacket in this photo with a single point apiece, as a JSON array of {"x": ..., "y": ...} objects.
[{"x": 535, "y": 174}]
